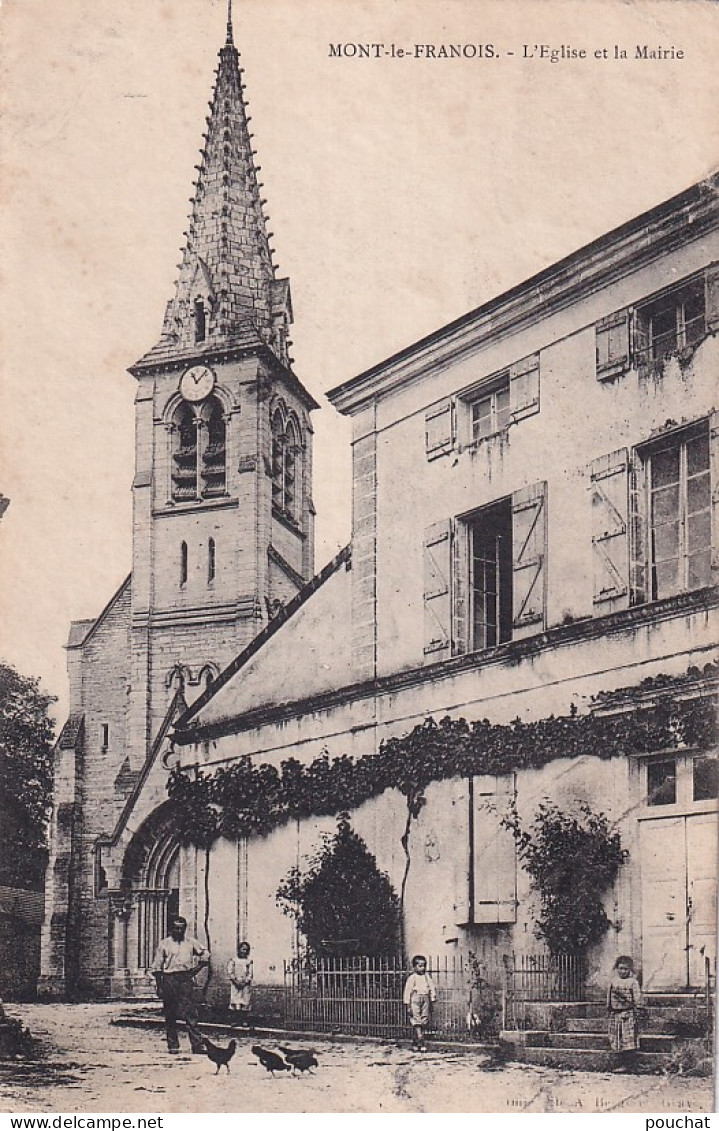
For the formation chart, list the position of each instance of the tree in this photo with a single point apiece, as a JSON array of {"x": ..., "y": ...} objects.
[
  {"x": 572, "y": 860},
  {"x": 26, "y": 743},
  {"x": 343, "y": 904}
]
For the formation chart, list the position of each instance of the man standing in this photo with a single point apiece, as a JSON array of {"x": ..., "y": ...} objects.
[{"x": 177, "y": 961}]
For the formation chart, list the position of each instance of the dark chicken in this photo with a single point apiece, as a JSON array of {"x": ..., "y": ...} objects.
[
  {"x": 220, "y": 1056},
  {"x": 303, "y": 1059},
  {"x": 270, "y": 1060}
]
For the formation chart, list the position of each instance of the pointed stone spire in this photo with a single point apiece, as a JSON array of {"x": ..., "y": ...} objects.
[{"x": 227, "y": 287}]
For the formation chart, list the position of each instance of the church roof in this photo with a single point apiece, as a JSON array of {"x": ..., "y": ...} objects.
[
  {"x": 228, "y": 695},
  {"x": 226, "y": 276}
]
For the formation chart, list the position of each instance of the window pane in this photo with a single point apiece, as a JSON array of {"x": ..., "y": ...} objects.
[
  {"x": 502, "y": 408},
  {"x": 666, "y": 541},
  {"x": 706, "y": 779},
  {"x": 699, "y": 571},
  {"x": 694, "y": 315},
  {"x": 665, "y": 467},
  {"x": 481, "y": 416},
  {"x": 698, "y": 493},
  {"x": 664, "y": 332},
  {"x": 699, "y": 531},
  {"x": 665, "y": 504},
  {"x": 666, "y": 579},
  {"x": 698, "y": 453},
  {"x": 662, "y": 783}
]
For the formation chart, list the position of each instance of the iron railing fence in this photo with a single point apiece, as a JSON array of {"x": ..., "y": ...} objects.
[{"x": 363, "y": 996}]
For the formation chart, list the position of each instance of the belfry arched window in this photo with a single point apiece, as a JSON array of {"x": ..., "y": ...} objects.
[
  {"x": 213, "y": 471},
  {"x": 199, "y": 455},
  {"x": 184, "y": 456},
  {"x": 286, "y": 461}
]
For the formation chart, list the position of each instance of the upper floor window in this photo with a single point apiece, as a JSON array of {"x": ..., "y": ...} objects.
[
  {"x": 485, "y": 575},
  {"x": 490, "y": 411},
  {"x": 654, "y": 516},
  {"x": 679, "y": 514},
  {"x": 286, "y": 456},
  {"x": 487, "y": 409},
  {"x": 199, "y": 456},
  {"x": 670, "y": 323}
]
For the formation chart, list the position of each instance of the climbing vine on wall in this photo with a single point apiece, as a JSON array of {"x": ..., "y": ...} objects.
[{"x": 250, "y": 799}]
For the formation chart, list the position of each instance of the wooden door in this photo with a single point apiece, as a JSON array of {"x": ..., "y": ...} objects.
[
  {"x": 701, "y": 841},
  {"x": 664, "y": 903}
]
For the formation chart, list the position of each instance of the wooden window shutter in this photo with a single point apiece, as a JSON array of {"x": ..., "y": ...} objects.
[
  {"x": 439, "y": 429},
  {"x": 524, "y": 388},
  {"x": 437, "y": 591},
  {"x": 711, "y": 292},
  {"x": 609, "y": 486},
  {"x": 462, "y": 821},
  {"x": 529, "y": 551},
  {"x": 612, "y": 345},
  {"x": 638, "y": 586},
  {"x": 714, "y": 474},
  {"x": 494, "y": 852}
]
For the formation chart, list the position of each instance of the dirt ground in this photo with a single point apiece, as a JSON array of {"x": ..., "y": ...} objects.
[{"x": 90, "y": 1066}]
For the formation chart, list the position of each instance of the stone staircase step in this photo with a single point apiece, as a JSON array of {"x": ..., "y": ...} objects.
[
  {"x": 584, "y": 1060},
  {"x": 680, "y": 1030},
  {"x": 542, "y": 1038}
]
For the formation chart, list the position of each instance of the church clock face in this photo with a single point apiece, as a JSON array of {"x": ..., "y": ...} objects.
[{"x": 197, "y": 382}]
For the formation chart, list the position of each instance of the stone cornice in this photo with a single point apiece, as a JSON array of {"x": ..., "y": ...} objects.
[{"x": 511, "y": 653}]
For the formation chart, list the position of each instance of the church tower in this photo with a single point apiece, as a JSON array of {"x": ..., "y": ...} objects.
[
  {"x": 223, "y": 518},
  {"x": 223, "y": 537}
]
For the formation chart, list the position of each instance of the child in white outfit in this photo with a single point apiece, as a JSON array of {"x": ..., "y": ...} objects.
[
  {"x": 239, "y": 970},
  {"x": 420, "y": 993}
]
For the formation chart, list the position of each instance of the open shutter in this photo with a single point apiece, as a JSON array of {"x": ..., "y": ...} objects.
[
  {"x": 612, "y": 341},
  {"x": 462, "y": 818},
  {"x": 711, "y": 293},
  {"x": 609, "y": 485},
  {"x": 524, "y": 388},
  {"x": 439, "y": 429},
  {"x": 714, "y": 472},
  {"x": 437, "y": 591},
  {"x": 494, "y": 851},
  {"x": 637, "y": 531},
  {"x": 529, "y": 550}
]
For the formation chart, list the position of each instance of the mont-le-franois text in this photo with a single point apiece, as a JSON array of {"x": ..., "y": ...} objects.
[{"x": 541, "y": 52}]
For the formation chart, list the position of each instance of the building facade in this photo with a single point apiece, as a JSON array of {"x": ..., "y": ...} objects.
[{"x": 534, "y": 534}]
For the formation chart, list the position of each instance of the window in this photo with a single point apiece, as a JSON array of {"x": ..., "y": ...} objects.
[
  {"x": 199, "y": 457},
  {"x": 286, "y": 452},
  {"x": 491, "y": 576},
  {"x": 674, "y": 321},
  {"x": 705, "y": 779},
  {"x": 105, "y": 735},
  {"x": 210, "y": 561},
  {"x": 200, "y": 320},
  {"x": 490, "y": 412},
  {"x": 213, "y": 456},
  {"x": 679, "y": 514},
  {"x": 662, "y": 782},
  {"x": 183, "y": 563},
  {"x": 184, "y": 456},
  {"x": 485, "y": 410},
  {"x": 484, "y": 575}
]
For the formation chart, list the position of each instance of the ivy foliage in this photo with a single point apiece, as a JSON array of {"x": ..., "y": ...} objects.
[
  {"x": 248, "y": 799},
  {"x": 342, "y": 903},
  {"x": 572, "y": 859}
]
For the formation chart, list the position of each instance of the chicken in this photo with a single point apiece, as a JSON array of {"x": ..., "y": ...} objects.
[
  {"x": 304, "y": 1059},
  {"x": 220, "y": 1056},
  {"x": 270, "y": 1060}
]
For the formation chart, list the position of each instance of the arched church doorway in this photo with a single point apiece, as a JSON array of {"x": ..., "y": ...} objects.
[{"x": 151, "y": 896}]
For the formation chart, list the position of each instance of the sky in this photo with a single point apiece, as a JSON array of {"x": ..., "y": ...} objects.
[{"x": 402, "y": 191}]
